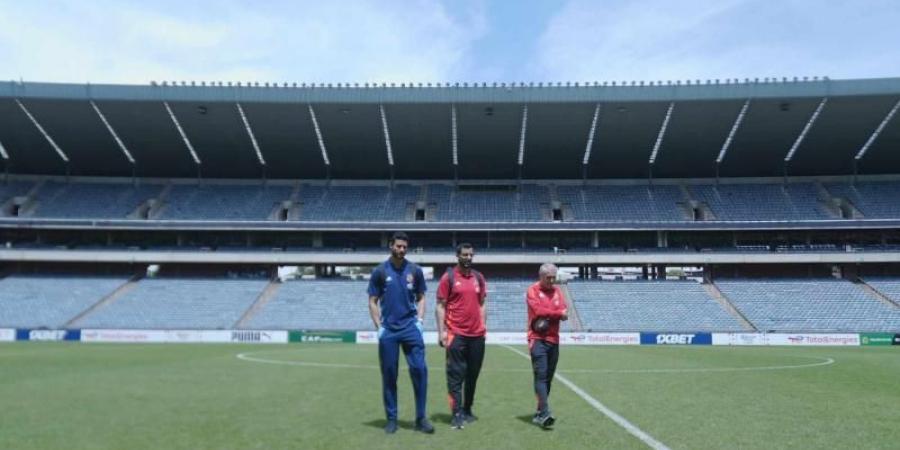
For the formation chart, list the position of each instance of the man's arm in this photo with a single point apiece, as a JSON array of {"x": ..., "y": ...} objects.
[
  {"x": 420, "y": 306},
  {"x": 440, "y": 312},
  {"x": 544, "y": 311},
  {"x": 375, "y": 311}
]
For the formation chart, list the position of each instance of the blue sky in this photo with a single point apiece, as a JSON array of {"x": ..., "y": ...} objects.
[{"x": 120, "y": 41}]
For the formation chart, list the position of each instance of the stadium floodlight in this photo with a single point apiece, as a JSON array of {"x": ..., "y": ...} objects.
[
  {"x": 387, "y": 136},
  {"x": 613, "y": 83},
  {"x": 521, "y": 158},
  {"x": 259, "y": 155},
  {"x": 878, "y": 130},
  {"x": 662, "y": 133},
  {"x": 184, "y": 138},
  {"x": 733, "y": 131},
  {"x": 113, "y": 133},
  {"x": 319, "y": 139},
  {"x": 453, "y": 139},
  {"x": 590, "y": 138},
  {"x": 809, "y": 124},
  {"x": 47, "y": 137}
]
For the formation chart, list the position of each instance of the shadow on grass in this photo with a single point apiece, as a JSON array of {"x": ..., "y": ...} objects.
[
  {"x": 441, "y": 418},
  {"x": 527, "y": 419},
  {"x": 380, "y": 423}
]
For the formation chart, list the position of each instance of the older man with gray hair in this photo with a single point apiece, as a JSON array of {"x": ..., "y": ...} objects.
[{"x": 547, "y": 306}]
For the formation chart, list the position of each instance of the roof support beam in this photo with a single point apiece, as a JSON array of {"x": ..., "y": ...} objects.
[
  {"x": 659, "y": 138},
  {"x": 806, "y": 128},
  {"x": 590, "y": 142},
  {"x": 319, "y": 139},
  {"x": 113, "y": 133},
  {"x": 521, "y": 159},
  {"x": 62, "y": 155},
  {"x": 184, "y": 138},
  {"x": 3, "y": 153},
  {"x": 387, "y": 140},
  {"x": 259, "y": 155}
]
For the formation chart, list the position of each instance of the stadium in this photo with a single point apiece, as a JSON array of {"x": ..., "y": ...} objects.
[{"x": 754, "y": 224}]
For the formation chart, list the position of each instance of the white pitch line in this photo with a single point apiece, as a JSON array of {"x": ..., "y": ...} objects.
[
  {"x": 615, "y": 417},
  {"x": 821, "y": 362},
  {"x": 247, "y": 357}
]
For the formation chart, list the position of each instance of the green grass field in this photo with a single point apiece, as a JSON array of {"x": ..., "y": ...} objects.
[{"x": 127, "y": 396}]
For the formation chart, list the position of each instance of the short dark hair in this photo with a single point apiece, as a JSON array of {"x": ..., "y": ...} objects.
[
  {"x": 399, "y": 235},
  {"x": 462, "y": 246}
]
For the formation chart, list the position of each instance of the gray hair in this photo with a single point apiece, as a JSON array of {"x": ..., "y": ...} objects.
[{"x": 547, "y": 268}]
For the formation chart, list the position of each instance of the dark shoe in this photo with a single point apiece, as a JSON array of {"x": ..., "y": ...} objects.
[
  {"x": 544, "y": 420},
  {"x": 424, "y": 426},
  {"x": 458, "y": 422},
  {"x": 468, "y": 416},
  {"x": 390, "y": 427}
]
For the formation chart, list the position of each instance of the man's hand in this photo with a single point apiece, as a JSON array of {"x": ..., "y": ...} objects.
[
  {"x": 380, "y": 332},
  {"x": 420, "y": 325},
  {"x": 565, "y": 314},
  {"x": 442, "y": 338}
]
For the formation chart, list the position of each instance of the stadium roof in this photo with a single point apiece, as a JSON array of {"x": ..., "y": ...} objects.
[{"x": 679, "y": 130}]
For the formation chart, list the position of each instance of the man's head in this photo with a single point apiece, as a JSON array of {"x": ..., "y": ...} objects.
[
  {"x": 464, "y": 254},
  {"x": 399, "y": 243},
  {"x": 547, "y": 274}
]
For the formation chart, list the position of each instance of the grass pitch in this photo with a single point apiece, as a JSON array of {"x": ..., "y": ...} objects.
[{"x": 126, "y": 396}]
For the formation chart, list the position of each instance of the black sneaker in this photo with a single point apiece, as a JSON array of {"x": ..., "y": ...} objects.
[
  {"x": 458, "y": 422},
  {"x": 390, "y": 427},
  {"x": 468, "y": 416},
  {"x": 424, "y": 426}
]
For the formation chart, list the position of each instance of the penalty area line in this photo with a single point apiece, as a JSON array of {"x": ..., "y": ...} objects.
[{"x": 603, "y": 409}]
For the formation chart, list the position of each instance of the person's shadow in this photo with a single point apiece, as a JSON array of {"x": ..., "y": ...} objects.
[
  {"x": 527, "y": 419},
  {"x": 380, "y": 423},
  {"x": 441, "y": 418}
]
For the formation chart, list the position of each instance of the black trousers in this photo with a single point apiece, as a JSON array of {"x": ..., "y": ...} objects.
[
  {"x": 544, "y": 356},
  {"x": 464, "y": 357}
]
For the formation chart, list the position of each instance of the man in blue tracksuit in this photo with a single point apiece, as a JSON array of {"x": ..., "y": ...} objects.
[{"x": 397, "y": 306}]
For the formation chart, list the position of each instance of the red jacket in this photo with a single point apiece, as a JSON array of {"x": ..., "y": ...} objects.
[{"x": 545, "y": 303}]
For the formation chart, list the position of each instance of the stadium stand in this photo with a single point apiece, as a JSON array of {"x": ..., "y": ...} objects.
[
  {"x": 11, "y": 189},
  {"x": 753, "y": 202},
  {"x": 50, "y": 301},
  {"x": 526, "y": 203},
  {"x": 649, "y": 306},
  {"x": 315, "y": 305},
  {"x": 349, "y": 203},
  {"x": 889, "y": 287},
  {"x": 622, "y": 203},
  {"x": 178, "y": 303},
  {"x": 876, "y": 200},
  {"x": 223, "y": 201},
  {"x": 792, "y": 305},
  {"x": 92, "y": 200}
]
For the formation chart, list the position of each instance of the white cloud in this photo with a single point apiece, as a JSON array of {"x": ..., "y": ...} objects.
[
  {"x": 114, "y": 41},
  {"x": 689, "y": 39}
]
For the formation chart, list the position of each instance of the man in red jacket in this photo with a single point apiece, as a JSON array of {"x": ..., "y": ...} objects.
[
  {"x": 460, "y": 320},
  {"x": 545, "y": 301}
]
